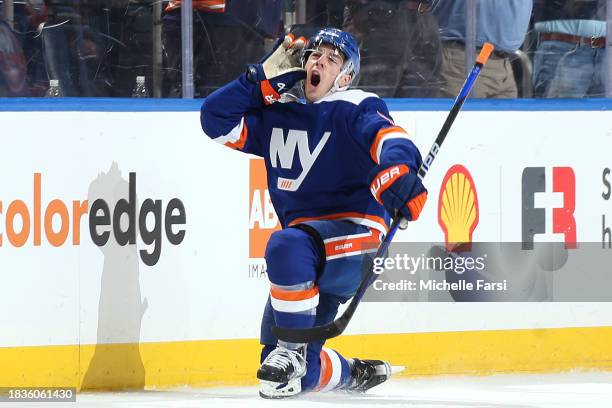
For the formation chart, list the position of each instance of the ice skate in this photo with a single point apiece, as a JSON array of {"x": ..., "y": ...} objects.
[
  {"x": 281, "y": 372},
  {"x": 366, "y": 374}
]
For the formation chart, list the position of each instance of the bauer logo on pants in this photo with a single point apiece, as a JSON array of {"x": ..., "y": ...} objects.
[
  {"x": 542, "y": 190},
  {"x": 458, "y": 206},
  {"x": 262, "y": 217}
]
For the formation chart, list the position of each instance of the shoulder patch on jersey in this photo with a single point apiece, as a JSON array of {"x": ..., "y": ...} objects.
[{"x": 354, "y": 96}]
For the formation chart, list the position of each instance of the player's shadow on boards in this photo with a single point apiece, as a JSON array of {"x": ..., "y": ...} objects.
[{"x": 116, "y": 361}]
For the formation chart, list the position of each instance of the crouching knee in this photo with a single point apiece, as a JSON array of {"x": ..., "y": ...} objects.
[{"x": 291, "y": 257}]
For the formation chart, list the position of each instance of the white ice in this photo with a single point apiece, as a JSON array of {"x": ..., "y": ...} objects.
[{"x": 575, "y": 390}]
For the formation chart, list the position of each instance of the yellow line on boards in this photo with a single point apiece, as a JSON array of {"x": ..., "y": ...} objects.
[{"x": 234, "y": 362}]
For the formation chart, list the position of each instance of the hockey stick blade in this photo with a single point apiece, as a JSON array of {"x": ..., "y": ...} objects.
[{"x": 336, "y": 327}]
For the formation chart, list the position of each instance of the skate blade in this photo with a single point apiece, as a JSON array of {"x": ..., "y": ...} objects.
[
  {"x": 385, "y": 370},
  {"x": 274, "y": 390},
  {"x": 397, "y": 369}
]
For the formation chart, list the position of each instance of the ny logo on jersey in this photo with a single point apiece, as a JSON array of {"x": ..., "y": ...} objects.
[{"x": 284, "y": 151}]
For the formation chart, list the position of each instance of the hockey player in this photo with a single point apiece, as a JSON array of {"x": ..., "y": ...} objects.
[{"x": 354, "y": 166}]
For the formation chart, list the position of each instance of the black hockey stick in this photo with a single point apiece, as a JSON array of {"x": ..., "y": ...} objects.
[{"x": 335, "y": 328}]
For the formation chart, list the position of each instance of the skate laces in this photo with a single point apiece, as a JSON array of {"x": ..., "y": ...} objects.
[{"x": 282, "y": 358}]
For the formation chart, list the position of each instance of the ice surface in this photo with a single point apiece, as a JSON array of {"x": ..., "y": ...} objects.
[{"x": 576, "y": 390}]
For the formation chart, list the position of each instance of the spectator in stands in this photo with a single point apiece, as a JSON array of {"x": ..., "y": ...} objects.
[
  {"x": 22, "y": 67},
  {"x": 29, "y": 23},
  {"x": 12, "y": 64},
  {"x": 227, "y": 35},
  {"x": 503, "y": 23},
  {"x": 36, "y": 13},
  {"x": 569, "y": 61},
  {"x": 400, "y": 46},
  {"x": 75, "y": 46}
]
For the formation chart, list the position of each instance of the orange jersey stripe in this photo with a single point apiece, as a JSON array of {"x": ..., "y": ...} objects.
[
  {"x": 381, "y": 133},
  {"x": 281, "y": 294},
  {"x": 239, "y": 144}
]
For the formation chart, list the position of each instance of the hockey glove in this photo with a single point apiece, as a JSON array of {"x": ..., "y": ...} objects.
[
  {"x": 279, "y": 70},
  {"x": 398, "y": 190}
]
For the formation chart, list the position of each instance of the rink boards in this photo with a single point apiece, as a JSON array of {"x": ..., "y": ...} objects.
[{"x": 180, "y": 301}]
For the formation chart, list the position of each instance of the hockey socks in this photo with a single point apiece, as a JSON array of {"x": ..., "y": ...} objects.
[{"x": 334, "y": 371}]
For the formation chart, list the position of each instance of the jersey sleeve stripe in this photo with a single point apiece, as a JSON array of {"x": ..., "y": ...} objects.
[
  {"x": 393, "y": 132},
  {"x": 236, "y": 138}
]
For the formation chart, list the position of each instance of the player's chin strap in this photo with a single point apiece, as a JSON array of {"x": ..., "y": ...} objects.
[{"x": 345, "y": 71}]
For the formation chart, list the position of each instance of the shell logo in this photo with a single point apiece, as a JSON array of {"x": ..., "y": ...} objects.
[{"x": 458, "y": 206}]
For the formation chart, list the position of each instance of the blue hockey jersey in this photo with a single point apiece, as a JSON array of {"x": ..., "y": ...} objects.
[{"x": 319, "y": 155}]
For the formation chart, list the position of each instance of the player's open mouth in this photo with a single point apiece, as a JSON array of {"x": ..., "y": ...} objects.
[{"x": 315, "y": 78}]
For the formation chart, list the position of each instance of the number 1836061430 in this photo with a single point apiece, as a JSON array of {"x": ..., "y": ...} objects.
[{"x": 37, "y": 394}]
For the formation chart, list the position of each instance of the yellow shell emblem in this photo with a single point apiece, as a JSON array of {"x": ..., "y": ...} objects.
[{"x": 458, "y": 206}]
